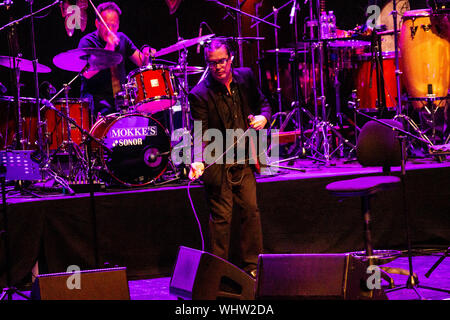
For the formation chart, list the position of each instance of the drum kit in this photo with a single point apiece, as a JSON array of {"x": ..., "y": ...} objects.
[{"x": 127, "y": 148}]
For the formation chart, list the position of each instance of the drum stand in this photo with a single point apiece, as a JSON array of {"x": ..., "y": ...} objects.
[{"x": 430, "y": 108}]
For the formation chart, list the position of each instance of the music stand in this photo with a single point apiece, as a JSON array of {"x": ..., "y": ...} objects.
[{"x": 14, "y": 165}]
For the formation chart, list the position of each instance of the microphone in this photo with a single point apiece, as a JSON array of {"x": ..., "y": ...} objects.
[
  {"x": 199, "y": 35},
  {"x": 292, "y": 14}
]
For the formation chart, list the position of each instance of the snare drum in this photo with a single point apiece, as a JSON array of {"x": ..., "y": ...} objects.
[
  {"x": 140, "y": 148},
  {"x": 154, "y": 88},
  {"x": 366, "y": 82},
  {"x": 425, "y": 55},
  {"x": 57, "y": 130}
]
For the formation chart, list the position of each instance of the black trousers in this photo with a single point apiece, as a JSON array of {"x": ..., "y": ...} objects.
[{"x": 236, "y": 186}]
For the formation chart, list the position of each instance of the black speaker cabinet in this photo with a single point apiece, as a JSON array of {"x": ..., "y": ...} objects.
[
  {"x": 199, "y": 275},
  {"x": 100, "y": 284},
  {"x": 314, "y": 276}
]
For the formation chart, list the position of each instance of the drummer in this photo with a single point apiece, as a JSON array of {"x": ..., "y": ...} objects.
[{"x": 100, "y": 87}]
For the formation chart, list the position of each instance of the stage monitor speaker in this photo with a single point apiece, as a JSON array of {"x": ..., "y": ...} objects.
[
  {"x": 199, "y": 275},
  {"x": 313, "y": 276},
  {"x": 100, "y": 284}
]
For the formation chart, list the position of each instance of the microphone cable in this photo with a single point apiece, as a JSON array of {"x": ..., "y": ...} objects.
[{"x": 192, "y": 180}]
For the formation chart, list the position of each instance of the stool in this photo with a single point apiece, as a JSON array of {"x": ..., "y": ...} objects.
[{"x": 365, "y": 188}]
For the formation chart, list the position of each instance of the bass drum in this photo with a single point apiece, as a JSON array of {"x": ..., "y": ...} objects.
[{"x": 139, "y": 148}]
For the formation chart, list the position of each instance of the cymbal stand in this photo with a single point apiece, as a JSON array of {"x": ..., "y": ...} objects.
[
  {"x": 40, "y": 138},
  {"x": 88, "y": 140},
  {"x": 67, "y": 122},
  {"x": 12, "y": 36}
]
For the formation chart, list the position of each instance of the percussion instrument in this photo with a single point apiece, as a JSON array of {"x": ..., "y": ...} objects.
[
  {"x": 140, "y": 148},
  {"x": 366, "y": 81},
  {"x": 22, "y": 64},
  {"x": 8, "y": 122},
  {"x": 154, "y": 88},
  {"x": 58, "y": 128},
  {"x": 425, "y": 55},
  {"x": 182, "y": 44},
  {"x": 96, "y": 58}
]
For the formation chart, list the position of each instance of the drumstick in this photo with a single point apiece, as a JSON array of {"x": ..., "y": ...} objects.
[{"x": 100, "y": 17}]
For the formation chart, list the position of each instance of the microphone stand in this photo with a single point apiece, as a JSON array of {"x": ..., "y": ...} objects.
[
  {"x": 411, "y": 283},
  {"x": 88, "y": 140},
  {"x": 36, "y": 78}
]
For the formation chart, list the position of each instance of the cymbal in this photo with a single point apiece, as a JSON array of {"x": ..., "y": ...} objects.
[
  {"x": 182, "y": 44},
  {"x": 178, "y": 70},
  {"x": 97, "y": 58},
  {"x": 23, "y": 64}
]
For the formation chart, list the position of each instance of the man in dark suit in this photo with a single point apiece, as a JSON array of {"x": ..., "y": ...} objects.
[{"x": 229, "y": 99}]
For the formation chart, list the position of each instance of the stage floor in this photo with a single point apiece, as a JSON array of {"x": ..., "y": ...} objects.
[{"x": 158, "y": 288}]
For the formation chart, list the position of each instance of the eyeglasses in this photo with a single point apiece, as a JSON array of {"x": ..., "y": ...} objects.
[{"x": 215, "y": 64}]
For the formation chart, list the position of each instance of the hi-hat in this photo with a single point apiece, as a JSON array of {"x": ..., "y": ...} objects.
[
  {"x": 97, "y": 58},
  {"x": 182, "y": 44},
  {"x": 23, "y": 64}
]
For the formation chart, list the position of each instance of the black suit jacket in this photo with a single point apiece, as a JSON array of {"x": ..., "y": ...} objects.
[{"x": 207, "y": 105}]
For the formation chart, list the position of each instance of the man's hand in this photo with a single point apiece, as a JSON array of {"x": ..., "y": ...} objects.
[
  {"x": 197, "y": 169},
  {"x": 147, "y": 52},
  {"x": 112, "y": 41},
  {"x": 257, "y": 122}
]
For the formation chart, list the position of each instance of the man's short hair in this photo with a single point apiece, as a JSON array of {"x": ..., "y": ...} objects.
[
  {"x": 215, "y": 44},
  {"x": 109, "y": 6}
]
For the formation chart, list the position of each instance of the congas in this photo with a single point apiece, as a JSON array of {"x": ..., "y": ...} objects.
[
  {"x": 137, "y": 148},
  {"x": 366, "y": 82},
  {"x": 58, "y": 128},
  {"x": 425, "y": 55},
  {"x": 8, "y": 122},
  {"x": 154, "y": 88}
]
